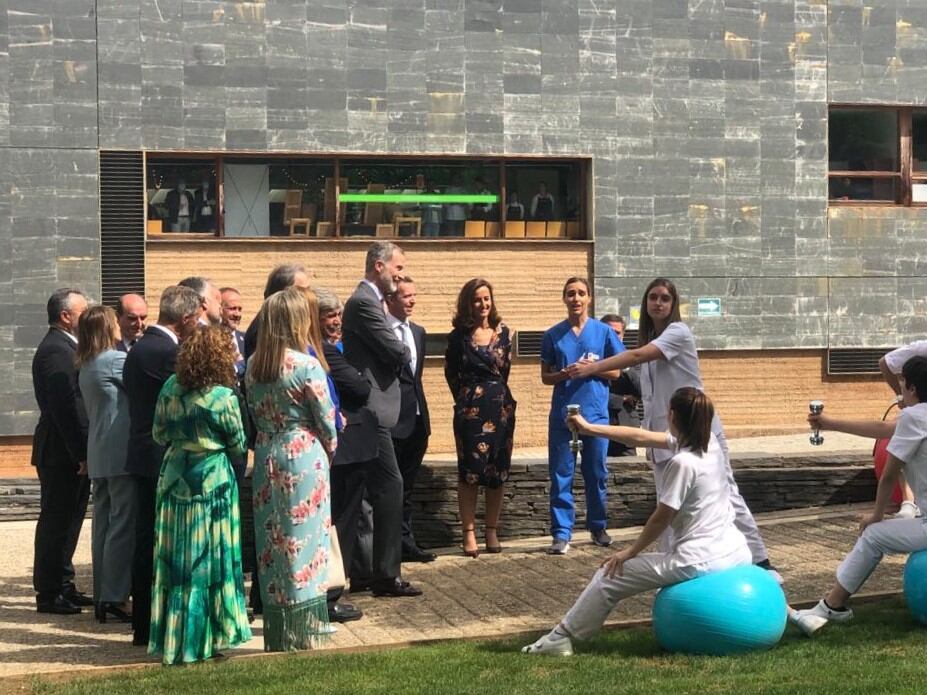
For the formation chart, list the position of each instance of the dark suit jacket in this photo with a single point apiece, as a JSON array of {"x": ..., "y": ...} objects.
[
  {"x": 358, "y": 441},
  {"x": 239, "y": 341},
  {"x": 249, "y": 342},
  {"x": 411, "y": 392},
  {"x": 371, "y": 347},
  {"x": 172, "y": 200},
  {"x": 60, "y": 439},
  {"x": 148, "y": 366}
]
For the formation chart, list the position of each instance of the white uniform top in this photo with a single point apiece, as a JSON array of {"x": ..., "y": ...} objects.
[
  {"x": 909, "y": 444},
  {"x": 895, "y": 359},
  {"x": 660, "y": 379},
  {"x": 696, "y": 486}
]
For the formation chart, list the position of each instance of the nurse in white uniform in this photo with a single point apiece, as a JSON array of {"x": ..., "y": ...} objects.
[
  {"x": 669, "y": 361},
  {"x": 694, "y": 503}
]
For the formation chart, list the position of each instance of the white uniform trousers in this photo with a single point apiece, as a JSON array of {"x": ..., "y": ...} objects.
[
  {"x": 889, "y": 536},
  {"x": 641, "y": 573}
]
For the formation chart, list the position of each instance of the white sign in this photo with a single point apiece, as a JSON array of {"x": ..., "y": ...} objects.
[{"x": 709, "y": 306}]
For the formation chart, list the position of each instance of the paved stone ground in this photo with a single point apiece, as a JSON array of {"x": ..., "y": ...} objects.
[{"x": 520, "y": 590}]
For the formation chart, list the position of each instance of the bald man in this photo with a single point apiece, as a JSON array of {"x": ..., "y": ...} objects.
[{"x": 132, "y": 314}]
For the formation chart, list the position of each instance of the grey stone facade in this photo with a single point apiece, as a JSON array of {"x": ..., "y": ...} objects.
[{"x": 706, "y": 121}]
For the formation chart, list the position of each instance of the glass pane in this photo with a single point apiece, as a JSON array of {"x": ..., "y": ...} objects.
[
  {"x": 544, "y": 192},
  {"x": 862, "y": 140},
  {"x": 418, "y": 198},
  {"x": 182, "y": 194},
  {"x": 919, "y": 191},
  {"x": 854, "y": 188},
  {"x": 304, "y": 191},
  {"x": 919, "y": 133}
]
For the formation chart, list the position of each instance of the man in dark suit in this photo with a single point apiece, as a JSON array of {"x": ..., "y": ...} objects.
[
  {"x": 372, "y": 348},
  {"x": 281, "y": 277},
  {"x": 59, "y": 453},
  {"x": 148, "y": 366},
  {"x": 132, "y": 314},
  {"x": 624, "y": 393},
  {"x": 411, "y": 432}
]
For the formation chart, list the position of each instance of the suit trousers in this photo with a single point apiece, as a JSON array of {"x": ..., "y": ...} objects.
[
  {"x": 409, "y": 454},
  {"x": 113, "y": 537},
  {"x": 146, "y": 493},
  {"x": 63, "y": 505},
  {"x": 384, "y": 493},
  {"x": 348, "y": 481}
]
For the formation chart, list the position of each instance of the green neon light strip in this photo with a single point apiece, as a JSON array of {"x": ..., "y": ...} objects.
[{"x": 416, "y": 198}]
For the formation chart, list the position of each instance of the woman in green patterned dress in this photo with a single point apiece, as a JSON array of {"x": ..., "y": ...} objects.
[
  {"x": 198, "y": 597},
  {"x": 295, "y": 419}
]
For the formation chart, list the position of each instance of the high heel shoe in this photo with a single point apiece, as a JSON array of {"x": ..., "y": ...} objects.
[
  {"x": 102, "y": 610},
  {"x": 476, "y": 551},
  {"x": 494, "y": 549}
]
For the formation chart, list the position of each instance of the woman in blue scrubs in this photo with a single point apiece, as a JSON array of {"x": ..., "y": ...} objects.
[{"x": 578, "y": 339}]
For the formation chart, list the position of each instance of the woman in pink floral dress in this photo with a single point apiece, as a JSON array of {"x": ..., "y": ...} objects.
[{"x": 295, "y": 419}]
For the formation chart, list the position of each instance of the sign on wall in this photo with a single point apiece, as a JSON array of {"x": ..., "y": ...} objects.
[{"x": 709, "y": 306}]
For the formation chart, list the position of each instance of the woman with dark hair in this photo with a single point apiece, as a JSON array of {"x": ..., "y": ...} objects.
[
  {"x": 99, "y": 366},
  {"x": 693, "y": 503},
  {"x": 581, "y": 339},
  {"x": 198, "y": 597},
  {"x": 477, "y": 364},
  {"x": 669, "y": 361}
]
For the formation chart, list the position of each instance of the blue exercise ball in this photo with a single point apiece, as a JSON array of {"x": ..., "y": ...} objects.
[
  {"x": 915, "y": 585},
  {"x": 736, "y": 610}
]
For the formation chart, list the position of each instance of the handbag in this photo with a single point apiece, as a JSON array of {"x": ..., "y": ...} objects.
[{"x": 336, "y": 576}]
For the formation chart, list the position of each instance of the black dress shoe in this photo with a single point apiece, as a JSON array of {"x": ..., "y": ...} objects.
[
  {"x": 359, "y": 585},
  {"x": 60, "y": 606},
  {"x": 344, "y": 613},
  {"x": 102, "y": 610},
  {"x": 394, "y": 587},
  {"x": 78, "y": 598},
  {"x": 418, "y": 555}
]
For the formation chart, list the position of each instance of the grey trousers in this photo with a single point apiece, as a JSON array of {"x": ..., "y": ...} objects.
[{"x": 113, "y": 537}]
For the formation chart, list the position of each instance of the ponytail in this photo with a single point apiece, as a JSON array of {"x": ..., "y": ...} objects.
[{"x": 694, "y": 412}]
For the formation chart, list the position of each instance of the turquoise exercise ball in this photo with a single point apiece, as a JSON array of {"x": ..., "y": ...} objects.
[
  {"x": 736, "y": 610},
  {"x": 915, "y": 585}
]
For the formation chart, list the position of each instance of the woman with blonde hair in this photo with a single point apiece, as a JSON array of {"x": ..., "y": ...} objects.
[
  {"x": 99, "y": 366},
  {"x": 198, "y": 596},
  {"x": 289, "y": 399}
]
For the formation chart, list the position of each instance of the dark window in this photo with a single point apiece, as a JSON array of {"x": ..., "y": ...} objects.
[{"x": 877, "y": 155}]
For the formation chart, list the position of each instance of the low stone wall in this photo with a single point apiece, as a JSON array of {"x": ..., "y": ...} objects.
[{"x": 768, "y": 483}]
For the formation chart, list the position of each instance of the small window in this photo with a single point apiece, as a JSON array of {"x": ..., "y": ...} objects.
[{"x": 877, "y": 155}]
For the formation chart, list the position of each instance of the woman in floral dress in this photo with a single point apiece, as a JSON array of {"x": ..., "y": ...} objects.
[
  {"x": 198, "y": 595},
  {"x": 295, "y": 419},
  {"x": 477, "y": 363}
]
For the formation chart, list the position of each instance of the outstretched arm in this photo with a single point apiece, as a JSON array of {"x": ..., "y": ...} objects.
[
  {"x": 623, "y": 360},
  {"x": 890, "y": 377},
  {"x": 871, "y": 429},
  {"x": 631, "y": 436}
]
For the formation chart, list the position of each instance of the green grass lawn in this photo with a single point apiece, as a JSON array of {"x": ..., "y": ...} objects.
[{"x": 882, "y": 651}]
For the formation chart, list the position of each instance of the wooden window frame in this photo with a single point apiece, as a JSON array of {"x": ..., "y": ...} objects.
[
  {"x": 338, "y": 161},
  {"x": 905, "y": 176}
]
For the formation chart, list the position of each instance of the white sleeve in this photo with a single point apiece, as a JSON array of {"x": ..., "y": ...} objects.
[
  {"x": 910, "y": 432},
  {"x": 678, "y": 478},
  {"x": 674, "y": 339},
  {"x": 671, "y": 442},
  {"x": 896, "y": 358}
]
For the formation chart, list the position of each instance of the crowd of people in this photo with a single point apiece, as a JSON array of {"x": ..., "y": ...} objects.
[{"x": 158, "y": 419}]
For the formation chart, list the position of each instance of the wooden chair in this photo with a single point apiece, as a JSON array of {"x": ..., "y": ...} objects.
[
  {"x": 572, "y": 230},
  {"x": 324, "y": 229},
  {"x": 399, "y": 220},
  {"x": 384, "y": 230},
  {"x": 514, "y": 229},
  {"x": 475, "y": 229},
  {"x": 304, "y": 222},
  {"x": 292, "y": 205},
  {"x": 492, "y": 230},
  {"x": 555, "y": 229},
  {"x": 373, "y": 212},
  {"x": 536, "y": 230}
]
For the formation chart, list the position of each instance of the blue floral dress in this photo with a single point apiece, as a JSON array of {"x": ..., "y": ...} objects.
[{"x": 295, "y": 421}]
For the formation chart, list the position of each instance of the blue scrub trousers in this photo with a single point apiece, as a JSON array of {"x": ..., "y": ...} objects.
[{"x": 562, "y": 463}]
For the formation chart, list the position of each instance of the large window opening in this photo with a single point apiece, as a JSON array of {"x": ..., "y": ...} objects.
[{"x": 246, "y": 196}]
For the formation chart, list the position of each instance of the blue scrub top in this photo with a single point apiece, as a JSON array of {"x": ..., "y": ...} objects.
[{"x": 562, "y": 347}]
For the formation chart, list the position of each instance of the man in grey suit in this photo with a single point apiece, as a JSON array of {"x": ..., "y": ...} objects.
[{"x": 372, "y": 348}]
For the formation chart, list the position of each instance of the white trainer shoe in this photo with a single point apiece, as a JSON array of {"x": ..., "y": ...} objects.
[
  {"x": 908, "y": 510},
  {"x": 550, "y": 645},
  {"x": 813, "y": 619},
  {"x": 559, "y": 547}
]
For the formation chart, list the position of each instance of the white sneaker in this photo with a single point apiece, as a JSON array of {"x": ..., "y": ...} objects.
[
  {"x": 813, "y": 619},
  {"x": 329, "y": 629},
  {"x": 550, "y": 645},
  {"x": 559, "y": 547},
  {"x": 908, "y": 510}
]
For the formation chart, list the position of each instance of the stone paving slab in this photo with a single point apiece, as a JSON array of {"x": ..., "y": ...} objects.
[{"x": 522, "y": 589}]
